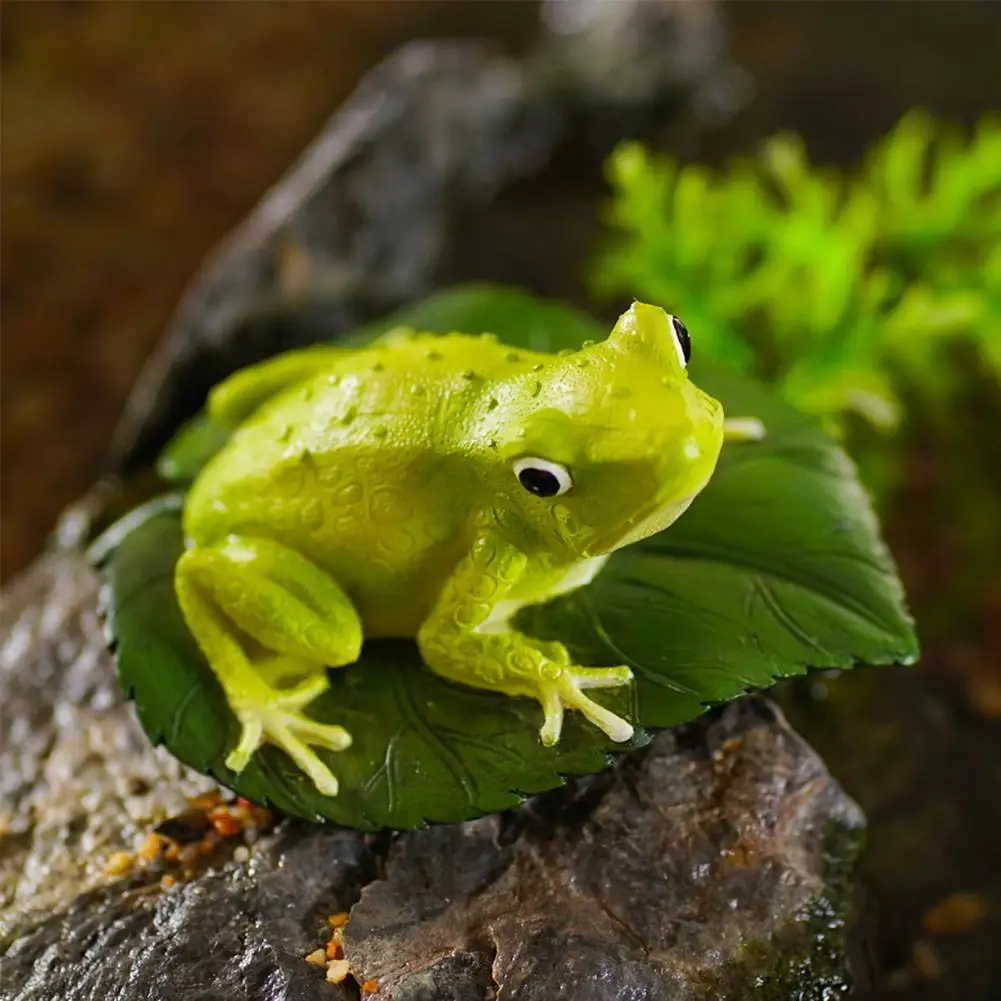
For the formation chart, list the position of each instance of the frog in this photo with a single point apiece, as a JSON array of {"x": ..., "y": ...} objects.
[{"x": 430, "y": 486}]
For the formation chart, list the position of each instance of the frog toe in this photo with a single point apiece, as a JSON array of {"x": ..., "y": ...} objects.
[
  {"x": 616, "y": 727},
  {"x": 602, "y": 677},
  {"x": 277, "y": 718},
  {"x": 565, "y": 692},
  {"x": 302, "y": 694},
  {"x": 286, "y": 736},
  {"x": 552, "y": 706},
  {"x": 251, "y": 736}
]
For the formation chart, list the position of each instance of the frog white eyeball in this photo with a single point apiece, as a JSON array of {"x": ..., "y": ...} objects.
[
  {"x": 682, "y": 342},
  {"x": 542, "y": 477}
]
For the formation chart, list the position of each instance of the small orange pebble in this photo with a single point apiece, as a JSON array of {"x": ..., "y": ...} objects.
[
  {"x": 166, "y": 882},
  {"x": 172, "y": 851},
  {"x": 244, "y": 803},
  {"x": 118, "y": 863},
  {"x": 337, "y": 971},
  {"x": 370, "y": 986},
  {"x": 151, "y": 847},
  {"x": 224, "y": 824},
  {"x": 244, "y": 815},
  {"x": 339, "y": 920},
  {"x": 335, "y": 949},
  {"x": 317, "y": 958},
  {"x": 206, "y": 846},
  {"x": 957, "y": 913},
  {"x": 732, "y": 744},
  {"x": 205, "y": 801}
]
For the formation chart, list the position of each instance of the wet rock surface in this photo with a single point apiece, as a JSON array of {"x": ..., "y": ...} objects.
[
  {"x": 689, "y": 872},
  {"x": 240, "y": 931},
  {"x": 704, "y": 867},
  {"x": 78, "y": 777}
]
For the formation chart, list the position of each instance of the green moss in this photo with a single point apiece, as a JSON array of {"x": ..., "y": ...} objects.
[
  {"x": 844, "y": 288},
  {"x": 807, "y": 961}
]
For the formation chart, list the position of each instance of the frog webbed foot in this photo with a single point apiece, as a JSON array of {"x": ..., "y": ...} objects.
[
  {"x": 270, "y": 623},
  {"x": 275, "y": 716},
  {"x": 459, "y": 642},
  {"x": 560, "y": 687}
]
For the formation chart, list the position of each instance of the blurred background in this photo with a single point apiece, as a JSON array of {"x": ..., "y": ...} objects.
[{"x": 136, "y": 135}]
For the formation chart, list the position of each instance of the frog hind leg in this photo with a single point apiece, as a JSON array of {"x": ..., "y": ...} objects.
[
  {"x": 460, "y": 641},
  {"x": 298, "y": 622},
  {"x": 236, "y": 398}
]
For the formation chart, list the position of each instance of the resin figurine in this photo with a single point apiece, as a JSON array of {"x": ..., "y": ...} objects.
[{"x": 429, "y": 486}]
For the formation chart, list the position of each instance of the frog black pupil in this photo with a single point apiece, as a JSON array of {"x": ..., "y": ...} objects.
[
  {"x": 683, "y": 339},
  {"x": 540, "y": 482}
]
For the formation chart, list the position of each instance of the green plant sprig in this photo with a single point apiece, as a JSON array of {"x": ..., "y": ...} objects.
[{"x": 844, "y": 288}]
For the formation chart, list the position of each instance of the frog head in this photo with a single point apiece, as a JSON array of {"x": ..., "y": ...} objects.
[{"x": 604, "y": 446}]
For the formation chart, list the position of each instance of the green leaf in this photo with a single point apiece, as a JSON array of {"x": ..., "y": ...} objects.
[
  {"x": 777, "y": 566},
  {"x": 191, "y": 448}
]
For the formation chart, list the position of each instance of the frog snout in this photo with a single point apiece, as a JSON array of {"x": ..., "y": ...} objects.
[{"x": 710, "y": 409}]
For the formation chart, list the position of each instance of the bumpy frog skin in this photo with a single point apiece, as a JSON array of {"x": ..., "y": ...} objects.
[{"x": 430, "y": 486}]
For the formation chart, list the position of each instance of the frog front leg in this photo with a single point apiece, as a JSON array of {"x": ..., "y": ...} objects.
[
  {"x": 261, "y": 611},
  {"x": 455, "y": 643}
]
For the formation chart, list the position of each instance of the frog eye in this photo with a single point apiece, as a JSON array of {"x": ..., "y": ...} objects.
[
  {"x": 682, "y": 342},
  {"x": 542, "y": 477}
]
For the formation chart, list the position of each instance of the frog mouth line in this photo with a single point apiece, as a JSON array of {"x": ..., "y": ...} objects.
[{"x": 653, "y": 520}]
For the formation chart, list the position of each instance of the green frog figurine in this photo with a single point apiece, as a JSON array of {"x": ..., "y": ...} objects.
[{"x": 430, "y": 486}]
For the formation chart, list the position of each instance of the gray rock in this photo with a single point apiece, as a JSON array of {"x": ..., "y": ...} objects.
[
  {"x": 710, "y": 866},
  {"x": 630, "y": 53},
  {"x": 701, "y": 868},
  {"x": 240, "y": 931},
  {"x": 78, "y": 777}
]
